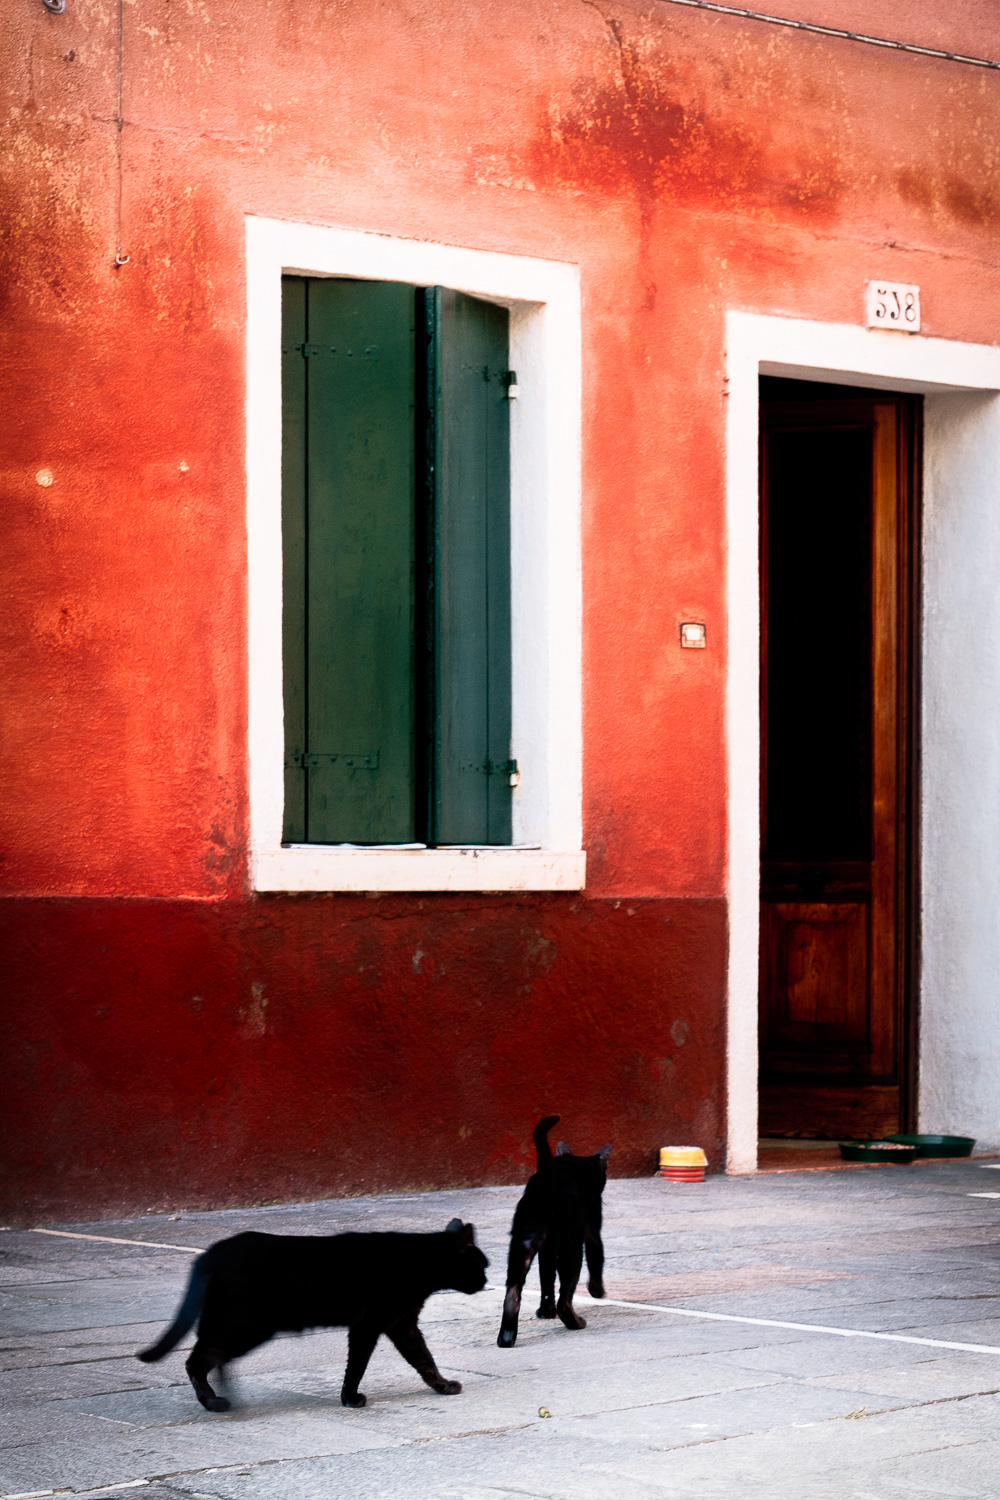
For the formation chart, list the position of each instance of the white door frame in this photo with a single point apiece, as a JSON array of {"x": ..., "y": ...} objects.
[{"x": 959, "y": 992}]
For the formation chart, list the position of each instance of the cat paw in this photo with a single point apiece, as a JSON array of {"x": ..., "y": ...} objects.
[
  {"x": 356, "y": 1400},
  {"x": 216, "y": 1403},
  {"x": 506, "y": 1338},
  {"x": 447, "y": 1387},
  {"x": 546, "y": 1310},
  {"x": 596, "y": 1289},
  {"x": 571, "y": 1319}
]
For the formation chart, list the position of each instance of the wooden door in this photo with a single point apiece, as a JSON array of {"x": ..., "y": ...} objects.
[{"x": 836, "y": 669}]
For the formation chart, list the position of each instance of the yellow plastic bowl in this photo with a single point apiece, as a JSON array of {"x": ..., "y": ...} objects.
[{"x": 682, "y": 1156}]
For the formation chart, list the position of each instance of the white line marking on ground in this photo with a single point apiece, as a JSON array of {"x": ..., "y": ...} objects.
[
  {"x": 107, "y": 1239},
  {"x": 990, "y": 1166},
  {"x": 982, "y": 1195},
  {"x": 844, "y": 1333},
  {"x": 680, "y": 1312},
  {"x": 102, "y": 1489},
  {"x": 126, "y": 1484}
]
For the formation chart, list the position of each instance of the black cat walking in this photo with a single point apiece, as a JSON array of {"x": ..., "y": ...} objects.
[
  {"x": 246, "y": 1289},
  {"x": 559, "y": 1219}
]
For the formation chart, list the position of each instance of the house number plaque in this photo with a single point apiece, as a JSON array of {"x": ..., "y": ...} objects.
[{"x": 893, "y": 304}]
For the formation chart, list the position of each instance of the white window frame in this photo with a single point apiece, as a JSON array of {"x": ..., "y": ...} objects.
[
  {"x": 545, "y": 351},
  {"x": 959, "y": 1075}
]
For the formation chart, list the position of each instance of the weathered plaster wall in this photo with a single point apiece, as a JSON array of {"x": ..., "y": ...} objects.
[
  {"x": 173, "y": 1053},
  {"x": 687, "y": 164}
]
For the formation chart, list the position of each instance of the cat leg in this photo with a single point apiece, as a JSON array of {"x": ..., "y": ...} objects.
[
  {"x": 199, "y": 1364},
  {"x": 570, "y": 1259},
  {"x": 594, "y": 1249},
  {"x": 218, "y": 1343},
  {"x": 361, "y": 1341},
  {"x": 523, "y": 1248},
  {"x": 547, "y": 1277},
  {"x": 410, "y": 1342}
]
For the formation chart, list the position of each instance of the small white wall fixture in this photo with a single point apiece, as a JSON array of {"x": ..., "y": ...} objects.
[
  {"x": 545, "y": 350},
  {"x": 959, "y": 983}
]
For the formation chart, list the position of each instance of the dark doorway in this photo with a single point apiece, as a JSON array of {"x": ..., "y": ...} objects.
[{"x": 838, "y": 667}]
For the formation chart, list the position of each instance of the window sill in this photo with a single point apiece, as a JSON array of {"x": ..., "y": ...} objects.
[{"x": 322, "y": 867}]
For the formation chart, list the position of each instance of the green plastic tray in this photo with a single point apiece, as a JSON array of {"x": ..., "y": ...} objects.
[
  {"x": 876, "y": 1151},
  {"x": 937, "y": 1145}
]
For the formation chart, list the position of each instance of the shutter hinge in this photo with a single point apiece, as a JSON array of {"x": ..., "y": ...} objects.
[
  {"x": 507, "y": 378},
  {"x": 312, "y": 351},
  {"x": 311, "y": 759},
  {"x": 493, "y": 768}
]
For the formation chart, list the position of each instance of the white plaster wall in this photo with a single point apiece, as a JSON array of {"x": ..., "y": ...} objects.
[{"x": 960, "y": 982}]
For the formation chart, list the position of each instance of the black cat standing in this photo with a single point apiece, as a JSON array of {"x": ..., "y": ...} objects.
[
  {"x": 558, "y": 1219},
  {"x": 246, "y": 1289}
]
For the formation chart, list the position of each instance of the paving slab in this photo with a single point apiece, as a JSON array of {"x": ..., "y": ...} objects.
[
  {"x": 642, "y": 1402},
  {"x": 930, "y": 1380},
  {"x": 826, "y": 1355}
]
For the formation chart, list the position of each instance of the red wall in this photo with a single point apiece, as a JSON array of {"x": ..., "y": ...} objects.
[
  {"x": 170, "y": 1054},
  {"x": 687, "y": 163}
]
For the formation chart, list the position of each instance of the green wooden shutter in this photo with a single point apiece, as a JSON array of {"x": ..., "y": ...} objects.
[
  {"x": 358, "y": 653},
  {"x": 293, "y": 533},
  {"x": 396, "y": 610},
  {"x": 467, "y": 393}
]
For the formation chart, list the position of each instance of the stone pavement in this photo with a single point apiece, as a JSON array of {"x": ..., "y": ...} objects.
[{"x": 643, "y": 1403}]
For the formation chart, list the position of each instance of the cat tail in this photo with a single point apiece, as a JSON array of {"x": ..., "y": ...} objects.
[
  {"x": 187, "y": 1314},
  {"x": 542, "y": 1146}
]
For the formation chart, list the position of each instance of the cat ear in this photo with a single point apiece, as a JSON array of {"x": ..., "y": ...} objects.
[
  {"x": 469, "y": 1234},
  {"x": 454, "y": 1226},
  {"x": 563, "y": 1150},
  {"x": 604, "y": 1153}
]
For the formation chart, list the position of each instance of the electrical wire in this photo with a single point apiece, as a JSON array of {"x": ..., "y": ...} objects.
[
  {"x": 121, "y": 259},
  {"x": 835, "y": 31}
]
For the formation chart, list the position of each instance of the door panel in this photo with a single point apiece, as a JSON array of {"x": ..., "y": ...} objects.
[
  {"x": 819, "y": 669},
  {"x": 817, "y": 957},
  {"x": 834, "y": 682}
]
